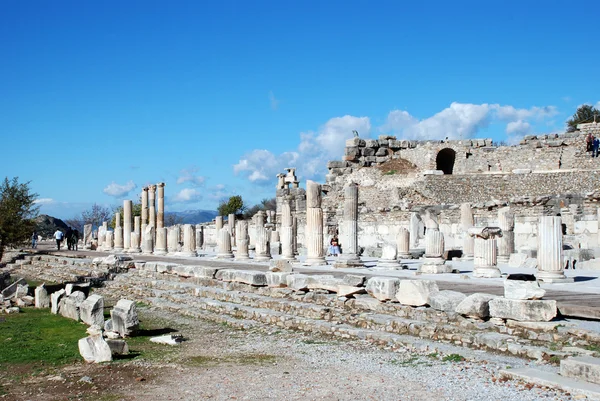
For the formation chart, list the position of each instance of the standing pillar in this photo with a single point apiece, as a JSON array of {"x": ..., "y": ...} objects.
[
  {"x": 389, "y": 255},
  {"x": 242, "y": 240},
  {"x": 152, "y": 206},
  {"x": 144, "y": 219},
  {"x": 173, "y": 234},
  {"x": 433, "y": 262},
  {"x": 466, "y": 222},
  {"x": 199, "y": 236},
  {"x": 414, "y": 230},
  {"x": 263, "y": 247},
  {"x": 260, "y": 217},
  {"x": 127, "y": 206},
  {"x": 349, "y": 234},
  {"x": 137, "y": 230},
  {"x": 108, "y": 242},
  {"x": 231, "y": 224},
  {"x": 314, "y": 225},
  {"x": 295, "y": 234},
  {"x": 403, "y": 243},
  {"x": 506, "y": 243},
  {"x": 118, "y": 233},
  {"x": 160, "y": 217},
  {"x": 224, "y": 242},
  {"x": 551, "y": 266},
  {"x": 287, "y": 231},
  {"x": 161, "y": 241},
  {"x": 218, "y": 223},
  {"x": 189, "y": 241},
  {"x": 104, "y": 242},
  {"x": 148, "y": 244},
  {"x": 485, "y": 261}
]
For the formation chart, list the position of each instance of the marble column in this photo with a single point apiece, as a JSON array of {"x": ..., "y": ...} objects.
[
  {"x": 108, "y": 241},
  {"x": 389, "y": 257},
  {"x": 218, "y": 224},
  {"x": 173, "y": 235},
  {"x": 160, "y": 217},
  {"x": 243, "y": 240},
  {"x": 275, "y": 243},
  {"x": 118, "y": 233},
  {"x": 295, "y": 234},
  {"x": 87, "y": 236},
  {"x": 263, "y": 247},
  {"x": 349, "y": 232},
  {"x": 550, "y": 251},
  {"x": 144, "y": 217},
  {"x": 231, "y": 224},
  {"x": 506, "y": 243},
  {"x": 260, "y": 217},
  {"x": 224, "y": 242},
  {"x": 152, "y": 206},
  {"x": 137, "y": 229},
  {"x": 403, "y": 244},
  {"x": 135, "y": 243},
  {"x": 105, "y": 230},
  {"x": 287, "y": 231},
  {"x": 467, "y": 221},
  {"x": 161, "y": 241},
  {"x": 414, "y": 230},
  {"x": 314, "y": 225},
  {"x": 199, "y": 236},
  {"x": 148, "y": 244},
  {"x": 127, "y": 206},
  {"x": 433, "y": 262},
  {"x": 189, "y": 241},
  {"x": 485, "y": 261}
]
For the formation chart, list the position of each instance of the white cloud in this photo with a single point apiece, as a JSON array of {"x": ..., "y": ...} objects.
[
  {"x": 189, "y": 175},
  {"x": 314, "y": 151},
  {"x": 519, "y": 127},
  {"x": 187, "y": 195},
  {"x": 273, "y": 101},
  {"x": 118, "y": 191},
  {"x": 43, "y": 201}
]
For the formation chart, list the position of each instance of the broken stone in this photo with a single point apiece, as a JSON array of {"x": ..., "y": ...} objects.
[
  {"x": 42, "y": 299},
  {"x": 118, "y": 346},
  {"x": 55, "y": 298},
  {"x": 415, "y": 292},
  {"x": 354, "y": 280},
  {"x": 383, "y": 288},
  {"x": 69, "y": 306},
  {"x": 348, "y": 290},
  {"x": 517, "y": 289},
  {"x": 204, "y": 272},
  {"x": 476, "y": 305},
  {"x": 91, "y": 310},
  {"x": 324, "y": 282},
  {"x": 167, "y": 339},
  {"x": 124, "y": 318},
  {"x": 446, "y": 300},
  {"x": 11, "y": 291},
  {"x": 95, "y": 349},
  {"x": 297, "y": 282},
  {"x": 225, "y": 275},
  {"x": 277, "y": 279},
  {"x": 251, "y": 277},
  {"x": 523, "y": 310},
  {"x": 280, "y": 266}
]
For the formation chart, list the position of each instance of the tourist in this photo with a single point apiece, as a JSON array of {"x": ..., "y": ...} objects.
[
  {"x": 589, "y": 140},
  {"x": 34, "y": 239},
  {"x": 334, "y": 246},
  {"x": 74, "y": 239},
  {"x": 596, "y": 145},
  {"x": 58, "y": 235},
  {"x": 69, "y": 234}
]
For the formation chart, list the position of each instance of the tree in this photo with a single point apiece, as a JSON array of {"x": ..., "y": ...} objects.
[
  {"x": 265, "y": 204},
  {"x": 136, "y": 210},
  {"x": 96, "y": 215},
  {"x": 234, "y": 205},
  {"x": 584, "y": 114},
  {"x": 17, "y": 210}
]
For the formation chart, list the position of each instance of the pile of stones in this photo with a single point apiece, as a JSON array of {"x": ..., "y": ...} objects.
[{"x": 14, "y": 295}]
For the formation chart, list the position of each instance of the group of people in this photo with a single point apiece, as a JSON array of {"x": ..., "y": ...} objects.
[
  {"x": 592, "y": 144},
  {"x": 71, "y": 235}
]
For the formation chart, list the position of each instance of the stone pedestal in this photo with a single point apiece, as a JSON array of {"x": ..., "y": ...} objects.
[
  {"x": 485, "y": 262},
  {"x": 287, "y": 232},
  {"x": 314, "y": 225},
  {"x": 403, "y": 244},
  {"x": 108, "y": 241},
  {"x": 388, "y": 260},
  {"x": 161, "y": 241},
  {"x": 160, "y": 217},
  {"x": 127, "y": 229},
  {"x": 135, "y": 243},
  {"x": 263, "y": 251},
  {"x": 550, "y": 251},
  {"x": 349, "y": 232},
  {"x": 242, "y": 240},
  {"x": 466, "y": 222},
  {"x": 506, "y": 243},
  {"x": 118, "y": 233},
  {"x": 433, "y": 262},
  {"x": 189, "y": 241},
  {"x": 224, "y": 242}
]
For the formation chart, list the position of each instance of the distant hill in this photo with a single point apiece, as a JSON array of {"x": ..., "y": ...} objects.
[
  {"x": 46, "y": 225},
  {"x": 192, "y": 216}
]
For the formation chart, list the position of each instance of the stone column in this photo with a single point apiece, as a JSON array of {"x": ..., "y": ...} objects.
[
  {"x": 160, "y": 217},
  {"x": 144, "y": 219},
  {"x": 433, "y": 262},
  {"x": 389, "y": 255},
  {"x": 414, "y": 230},
  {"x": 218, "y": 224},
  {"x": 598, "y": 218},
  {"x": 403, "y": 244},
  {"x": 173, "y": 235},
  {"x": 263, "y": 251},
  {"x": 314, "y": 225},
  {"x": 87, "y": 236},
  {"x": 199, "y": 236},
  {"x": 295, "y": 234},
  {"x": 127, "y": 206},
  {"x": 189, "y": 241},
  {"x": 231, "y": 224},
  {"x": 466, "y": 222},
  {"x": 242, "y": 240},
  {"x": 506, "y": 243},
  {"x": 485, "y": 261},
  {"x": 152, "y": 206},
  {"x": 104, "y": 230},
  {"x": 137, "y": 229},
  {"x": 224, "y": 244},
  {"x": 118, "y": 233},
  {"x": 550, "y": 251},
  {"x": 135, "y": 243},
  {"x": 287, "y": 231},
  {"x": 108, "y": 241},
  {"x": 148, "y": 244},
  {"x": 349, "y": 232},
  {"x": 161, "y": 241},
  {"x": 260, "y": 218}
]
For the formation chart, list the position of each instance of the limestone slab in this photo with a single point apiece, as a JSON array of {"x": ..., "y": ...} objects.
[
  {"x": 383, "y": 288},
  {"x": 277, "y": 279},
  {"x": 42, "y": 299},
  {"x": 476, "y": 305},
  {"x": 585, "y": 368},
  {"x": 298, "y": 282},
  {"x": 516, "y": 289},
  {"x": 251, "y": 277},
  {"x": 124, "y": 317},
  {"x": 523, "y": 310},
  {"x": 446, "y": 300},
  {"x": 91, "y": 310},
  {"x": 415, "y": 292},
  {"x": 95, "y": 349}
]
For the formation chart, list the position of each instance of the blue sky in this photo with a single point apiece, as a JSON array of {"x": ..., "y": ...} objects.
[{"x": 215, "y": 98}]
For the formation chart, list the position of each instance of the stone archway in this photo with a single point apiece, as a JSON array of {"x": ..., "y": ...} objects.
[{"x": 445, "y": 160}]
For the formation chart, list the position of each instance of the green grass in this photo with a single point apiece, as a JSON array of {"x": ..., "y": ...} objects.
[
  {"x": 453, "y": 358},
  {"x": 391, "y": 172},
  {"x": 243, "y": 359},
  {"x": 592, "y": 347},
  {"x": 37, "y": 336}
]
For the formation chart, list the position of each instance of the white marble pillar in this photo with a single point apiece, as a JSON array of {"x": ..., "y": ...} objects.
[
  {"x": 260, "y": 217},
  {"x": 287, "y": 231},
  {"x": 118, "y": 233},
  {"x": 349, "y": 229},
  {"x": 144, "y": 217},
  {"x": 87, "y": 236},
  {"x": 263, "y": 247},
  {"x": 433, "y": 262},
  {"x": 506, "y": 243},
  {"x": 137, "y": 228},
  {"x": 105, "y": 230},
  {"x": 218, "y": 224},
  {"x": 199, "y": 236},
  {"x": 148, "y": 245},
  {"x": 467, "y": 221},
  {"x": 160, "y": 217},
  {"x": 485, "y": 261},
  {"x": 161, "y": 241},
  {"x": 189, "y": 241},
  {"x": 314, "y": 225},
  {"x": 550, "y": 251},
  {"x": 127, "y": 206},
  {"x": 152, "y": 206},
  {"x": 403, "y": 243},
  {"x": 135, "y": 243},
  {"x": 173, "y": 235},
  {"x": 242, "y": 240},
  {"x": 414, "y": 230},
  {"x": 108, "y": 241},
  {"x": 224, "y": 242},
  {"x": 295, "y": 234},
  {"x": 231, "y": 224}
]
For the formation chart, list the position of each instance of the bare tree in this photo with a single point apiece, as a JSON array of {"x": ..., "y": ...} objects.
[{"x": 96, "y": 215}]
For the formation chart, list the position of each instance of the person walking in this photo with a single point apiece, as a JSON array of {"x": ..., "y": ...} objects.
[
  {"x": 34, "y": 239},
  {"x": 596, "y": 145},
  {"x": 74, "y": 239},
  {"x": 589, "y": 141},
  {"x": 58, "y": 235}
]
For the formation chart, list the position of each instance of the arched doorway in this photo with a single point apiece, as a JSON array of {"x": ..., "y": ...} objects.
[{"x": 445, "y": 160}]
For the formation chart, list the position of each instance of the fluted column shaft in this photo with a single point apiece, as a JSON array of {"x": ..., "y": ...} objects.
[
  {"x": 350, "y": 233},
  {"x": 467, "y": 221},
  {"x": 160, "y": 217},
  {"x": 161, "y": 241},
  {"x": 218, "y": 224},
  {"x": 434, "y": 243},
  {"x": 414, "y": 230},
  {"x": 118, "y": 232},
  {"x": 242, "y": 240},
  {"x": 403, "y": 243},
  {"x": 173, "y": 235},
  {"x": 287, "y": 231},
  {"x": 137, "y": 228},
  {"x": 189, "y": 240},
  {"x": 485, "y": 261},
  {"x": 314, "y": 225},
  {"x": 263, "y": 251},
  {"x": 224, "y": 242},
  {"x": 127, "y": 206},
  {"x": 108, "y": 242},
  {"x": 550, "y": 249},
  {"x": 231, "y": 224}
]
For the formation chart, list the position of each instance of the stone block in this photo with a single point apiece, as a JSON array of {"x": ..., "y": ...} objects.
[
  {"x": 356, "y": 141},
  {"x": 280, "y": 265},
  {"x": 337, "y": 164},
  {"x": 250, "y": 277},
  {"x": 91, "y": 311},
  {"x": 517, "y": 259},
  {"x": 55, "y": 298},
  {"x": 324, "y": 282},
  {"x": 11, "y": 291},
  {"x": 69, "y": 306},
  {"x": 183, "y": 270},
  {"x": 446, "y": 300},
  {"x": 371, "y": 143},
  {"x": 382, "y": 152},
  {"x": 344, "y": 290},
  {"x": 82, "y": 287},
  {"x": 164, "y": 267},
  {"x": 277, "y": 279},
  {"x": 586, "y": 368},
  {"x": 225, "y": 275},
  {"x": 523, "y": 310},
  {"x": 118, "y": 346},
  {"x": 415, "y": 292},
  {"x": 354, "y": 280},
  {"x": 383, "y": 288},
  {"x": 298, "y": 282},
  {"x": 42, "y": 299},
  {"x": 369, "y": 151},
  {"x": 476, "y": 305},
  {"x": 516, "y": 289},
  {"x": 394, "y": 144},
  {"x": 150, "y": 266},
  {"x": 95, "y": 349},
  {"x": 204, "y": 271},
  {"x": 124, "y": 318},
  {"x": 521, "y": 171}
]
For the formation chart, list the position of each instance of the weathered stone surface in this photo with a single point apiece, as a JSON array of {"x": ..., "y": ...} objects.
[
  {"x": 204, "y": 271},
  {"x": 517, "y": 259},
  {"x": 118, "y": 346},
  {"x": 298, "y": 282},
  {"x": 344, "y": 290},
  {"x": 415, "y": 292},
  {"x": 586, "y": 368},
  {"x": 516, "y": 289},
  {"x": 91, "y": 310},
  {"x": 476, "y": 305},
  {"x": 225, "y": 275},
  {"x": 250, "y": 277},
  {"x": 183, "y": 270},
  {"x": 277, "y": 279},
  {"x": 523, "y": 310},
  {"x": 70, "y": 305},
  {"x": 446, "y": 300},
  {"x": 95, "y": 349},
  {"x": 42, "y": 299},
  {"x": 11, "y": 291},
  {"x": 55, "y": 300},
  {"x": 124, "y": 318},
  {"x": 280, "y": 265},
  {"x": 324, "y": 282},
  {"x": 383, "y": 288},
  {"x": 164, "y": 267},
  {"x": 354, "y": 280}
]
